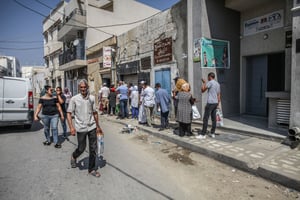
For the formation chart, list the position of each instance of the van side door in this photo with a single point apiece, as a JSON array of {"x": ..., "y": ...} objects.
[
  {"x": 1, "y": 98},
  {"x": 15, "y": 100}
]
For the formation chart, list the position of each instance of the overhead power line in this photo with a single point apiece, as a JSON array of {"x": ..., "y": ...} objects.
[
  {"x": 16, "y": 41},
  {"x": 21, "y": 49}
]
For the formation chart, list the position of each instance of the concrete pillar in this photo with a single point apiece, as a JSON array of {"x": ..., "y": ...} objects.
[{"x": 295, "y": 78}]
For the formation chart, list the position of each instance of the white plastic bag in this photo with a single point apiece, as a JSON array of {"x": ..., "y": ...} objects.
[
  {"x": 219, "y": 117},
  {"x": 196, "y": 114},
  {"x": 100, "y": 144}
]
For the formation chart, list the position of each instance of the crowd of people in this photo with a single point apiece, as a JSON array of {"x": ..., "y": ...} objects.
[{"x": 139, "y": 101}]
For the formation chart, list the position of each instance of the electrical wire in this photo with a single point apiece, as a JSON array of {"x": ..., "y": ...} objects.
[
  {"x": 15, "y": 41},
  {"x": 21, "y": 49}
]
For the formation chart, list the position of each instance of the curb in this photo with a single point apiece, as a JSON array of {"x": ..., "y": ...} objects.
[{"x": 261, "y": 170}]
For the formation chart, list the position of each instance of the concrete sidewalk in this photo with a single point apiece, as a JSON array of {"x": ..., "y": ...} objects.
[{"x": 266, "y": 158}]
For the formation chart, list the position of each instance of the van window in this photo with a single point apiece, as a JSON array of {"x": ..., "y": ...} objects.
[{"x": 14, "y": 89}]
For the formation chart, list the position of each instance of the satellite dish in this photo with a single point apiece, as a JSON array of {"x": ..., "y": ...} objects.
[{"x": 76, "y": 42}]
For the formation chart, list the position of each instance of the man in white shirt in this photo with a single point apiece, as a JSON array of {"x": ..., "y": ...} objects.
[
  {"x": 148, "y": 96},
  {"x": 103, "y": 97}
]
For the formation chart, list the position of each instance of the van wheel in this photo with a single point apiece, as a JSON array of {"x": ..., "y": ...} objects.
[{"x": 27, "y": 126}]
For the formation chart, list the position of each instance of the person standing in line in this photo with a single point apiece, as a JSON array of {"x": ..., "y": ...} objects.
[
  {"x": 123, "y": 91},
  {"x": 103, "y": 98},
  {"x": 68, "y": 96},
  {"x": 213, "y": 100},
  {"x": 134, "y": 97},
  {"x": 112, "y": 97},
  {"x": 50, "y": 110},
  {"x": 184, "y": 112},
  {"x": 148, "y": 95},
  {"x": 86, "y": 125},
  {"x": 62, "y": 99},
  {"x": 142, "y": 114},
  {"x": 163, "y": 100}
]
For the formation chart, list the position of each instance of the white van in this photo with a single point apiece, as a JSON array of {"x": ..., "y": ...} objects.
[{"x": 16, "y": 102}]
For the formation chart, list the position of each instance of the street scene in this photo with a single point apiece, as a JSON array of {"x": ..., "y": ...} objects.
[
  {"x": 133, "y": 166},
  {"x": 150, "y": 99}
]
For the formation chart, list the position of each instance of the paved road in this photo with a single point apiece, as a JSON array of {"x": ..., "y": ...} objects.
[{"x": 135, "y": 166}]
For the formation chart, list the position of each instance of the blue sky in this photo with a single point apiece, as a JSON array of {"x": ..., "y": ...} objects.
[{"x": 21, "y": 29}]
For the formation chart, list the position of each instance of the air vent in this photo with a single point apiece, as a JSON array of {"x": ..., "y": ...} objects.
[{"x": 283, "y": 111}]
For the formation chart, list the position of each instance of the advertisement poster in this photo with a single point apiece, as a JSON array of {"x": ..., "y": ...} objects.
[
  {"x": 215, "y": 53},
  {"x": 106, "y": 57},
  {"x": 263, "y": 23},
  {"x": 197, "y": 50}
]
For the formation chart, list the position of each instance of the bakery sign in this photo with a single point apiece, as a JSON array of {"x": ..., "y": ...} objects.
[{"x": 163, "y": 51}]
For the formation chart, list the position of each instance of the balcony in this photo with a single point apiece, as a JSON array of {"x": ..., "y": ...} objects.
[
  {"x": 52, "y": 47},
  {"x": 72, "y": 58},
  {"x": 74, "y": 22}
]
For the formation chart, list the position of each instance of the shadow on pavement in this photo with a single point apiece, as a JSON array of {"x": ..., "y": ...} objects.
[{"x": 36, "y": 126}]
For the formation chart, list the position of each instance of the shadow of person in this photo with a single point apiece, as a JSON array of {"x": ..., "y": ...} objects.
[
  {"x": 83, "y": 164},
  {"x": 100, "y": 162}
]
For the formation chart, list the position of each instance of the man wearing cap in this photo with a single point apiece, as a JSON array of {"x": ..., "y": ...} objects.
[
  {"x": 103, "y": 97},
  {"x": 163, "y": 100}
]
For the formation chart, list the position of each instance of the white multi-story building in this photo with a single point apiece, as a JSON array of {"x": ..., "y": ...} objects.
[
  {"x": 10, "y": 66},
  {"x": 53, "y": 47},
  {"x": 85, "y": 24}
]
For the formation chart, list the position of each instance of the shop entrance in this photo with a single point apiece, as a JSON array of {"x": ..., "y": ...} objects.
[{"x": 264, "y": 73}]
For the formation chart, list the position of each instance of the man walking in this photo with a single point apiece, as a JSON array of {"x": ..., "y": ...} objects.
[
  {"x": 83, "y": 107},
  {"x": 163, "y": 100},
  {"x": 213, "y": 101},
  {"x": 148, "y": 96}
]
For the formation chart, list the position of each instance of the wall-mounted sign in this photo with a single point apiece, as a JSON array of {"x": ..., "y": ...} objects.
[
  {"x": 146, "y": 63},
  {"x": 163, "y": 51},
  {"x": 263, "y": 23},
  {"x": 106, "y": 57},
  {"x": 197, "y": 50},
  {"x": 215, "y": 53}
]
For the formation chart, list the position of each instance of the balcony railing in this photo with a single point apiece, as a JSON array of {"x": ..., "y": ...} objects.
[
  {"x": 76, "y": 11},
  {"x": 69, "y": 55}
]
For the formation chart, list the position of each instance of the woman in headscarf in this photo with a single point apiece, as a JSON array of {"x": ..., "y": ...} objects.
[
  {"x": 184, "y": 111},
  {"x": 134, "y": 96}
]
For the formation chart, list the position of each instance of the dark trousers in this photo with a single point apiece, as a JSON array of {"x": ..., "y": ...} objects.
[
  {"x": 124, "y": 109},
  {"x": 185, "y": 129},
  {"x": 113, "y": 108},
  {"x": 164, "y": 120},
  {"x": 81, "y": 137},
  {"x": 210, "y": 109}
]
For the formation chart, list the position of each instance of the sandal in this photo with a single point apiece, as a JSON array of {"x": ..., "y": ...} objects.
[{"x": 95, "y": 174}]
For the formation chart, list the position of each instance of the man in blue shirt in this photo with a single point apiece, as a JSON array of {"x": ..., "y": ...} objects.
[
  {"x": 123, "y": 91},
  {"x": 163, "y": 101}
]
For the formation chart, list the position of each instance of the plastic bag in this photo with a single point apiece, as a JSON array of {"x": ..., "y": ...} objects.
[
  {"x": 100, "y": 144},
  {"x": 196, "y": 114},
  {"x": 219, "y": 117}
]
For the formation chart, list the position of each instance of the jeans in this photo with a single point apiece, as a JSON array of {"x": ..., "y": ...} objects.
[
  {"x": 81, "y": 138},
  {"x": 124, "y": 109},
  {"x": 164, "y": 121},
  {"x": 210, "y": 109},
  {"x": 134, "y": 112},
  {"x": 51, "y": 121},
  {"x": 64, "y": 125}
]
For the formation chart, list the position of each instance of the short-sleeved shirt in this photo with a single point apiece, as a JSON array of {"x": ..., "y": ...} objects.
[
  {"x": 104, "y": 92},
  {"x": 83, "y": 109},
  {"x": 49, "y": 106},
  {"x": 123, "y": 90},
  {"x": 163, "y": 98},
  {"x": 148, "y": 95},
  {"x": 213, "y": 91}
]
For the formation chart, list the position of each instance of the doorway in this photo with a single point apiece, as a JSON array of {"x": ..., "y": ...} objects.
[{"x": 263, "y": 73}]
